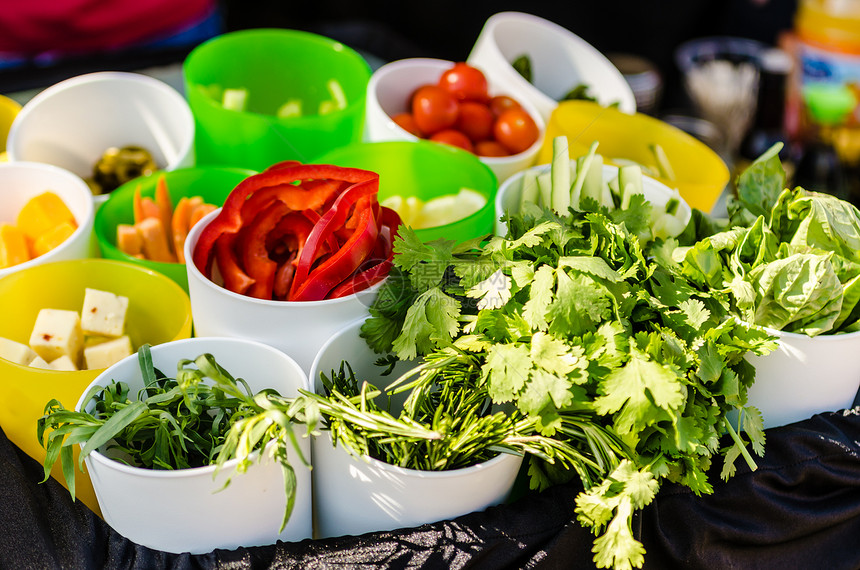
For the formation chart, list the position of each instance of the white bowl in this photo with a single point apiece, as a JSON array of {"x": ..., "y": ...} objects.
[
  {"x": 356, "y": 496},
  {"x": 388, "y": 93},
  {"x": 20, "y": 181},
  {"x": 186, "y": 510},
  {"x": 559, "y": 60},
  {"x": 72, "y": 123},
  {"x": 805, "y": 376},
  {"x": 508, "y": 196},
  {"x": 299, "y": 328}
]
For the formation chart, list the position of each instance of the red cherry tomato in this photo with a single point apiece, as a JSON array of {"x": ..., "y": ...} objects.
[
  {"x": 434, "y": 109},
  {"x": 465, "y": 82},
  {"x": 453, "y": 137},
  {"x": 490, "y": 148},
  {"x": 515, "y": 130},
  {"x": 475, "y": 120},
  {"x": 500, "y": 103},
  {"x": 407, "y": 122}
]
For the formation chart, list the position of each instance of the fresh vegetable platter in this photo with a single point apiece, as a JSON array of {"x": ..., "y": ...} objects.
[{"x": 604, "y": 339}]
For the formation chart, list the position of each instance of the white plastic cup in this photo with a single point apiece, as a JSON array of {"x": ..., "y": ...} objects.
[
  {"x": 21, "y": 181},
  {"x": 805, "y": 376},
  {"x": 299, "y": 328},
  {"x": 560, "y": 60},
  {"x": 72, "y": 123},
  {"x": 356, "y": 496},
  {"x": 186, "y": 510},
  {"x": 389, "y": 91},
  {"x": 510, "y": 192}
]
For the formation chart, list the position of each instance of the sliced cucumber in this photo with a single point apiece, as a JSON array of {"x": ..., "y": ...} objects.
[
  {"x": 530, "y": 192},
  {"x": 581, "y": 171},
  {"x": 560, "y": 170},
  {"x": 544, "y": 181},
  {"x": 592, "y": 187},
  {"x": 629, "y": 183}
]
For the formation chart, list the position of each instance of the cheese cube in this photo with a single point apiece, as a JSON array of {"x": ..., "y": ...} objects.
[
  {"x": 103, "y": 313},
  {"x": 107, "y": 353},
  {"x": 16, "y": 352},
  {"x": 63, "y": 363},
  {"x": 57, "y": 332},
  {"x": 39, "y": 362}
]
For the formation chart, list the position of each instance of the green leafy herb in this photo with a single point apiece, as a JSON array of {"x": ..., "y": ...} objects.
[{"x": 568, "y": 315}]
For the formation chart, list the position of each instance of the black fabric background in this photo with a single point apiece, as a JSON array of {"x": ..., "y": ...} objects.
[{"x": 799, "y": 509}]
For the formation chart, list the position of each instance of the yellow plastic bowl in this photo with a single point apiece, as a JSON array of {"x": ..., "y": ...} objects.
[
  {"x": 159, "y": 311},
  {"x": 8, "y": 111},
  {"x": 700, "y": 173}
]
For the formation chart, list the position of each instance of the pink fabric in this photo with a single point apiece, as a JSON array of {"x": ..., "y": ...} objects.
[{"x": 31, "y": 27}]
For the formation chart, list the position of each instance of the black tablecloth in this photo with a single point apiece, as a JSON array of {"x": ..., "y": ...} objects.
[{"x": 799, "y": 509}]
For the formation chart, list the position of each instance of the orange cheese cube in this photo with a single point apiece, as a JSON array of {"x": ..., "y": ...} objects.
[
  {"x": 52, "y": 238},
  {"x": 13, "y": 246},
  {"x": 42, "y": 213}
]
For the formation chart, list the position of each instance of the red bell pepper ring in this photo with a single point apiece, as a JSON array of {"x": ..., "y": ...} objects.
[
  {"x": 230, "y": 219},
  {"x": 333, "y": 219},
  {"x": 343, "y": 262},
  {"x": 255, "y": 253},
  {"x": 310, "y": 195},
  {"x": 234, "y": 278}
]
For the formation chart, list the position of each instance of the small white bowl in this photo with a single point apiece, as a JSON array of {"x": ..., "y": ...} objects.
[
  {"x": 805, "y": 376},
  {"x": 20, "y": 181},
  {"x": 388, "y": 93},
  {"x": 559, "y": 60},
  {"x": 360, "y": 496},
  {"x": 299, "y": 328},
  {"x": 508, "y": 196},
  {"x": 72, "y": 123},
  {"x": 186, "y": 510}
]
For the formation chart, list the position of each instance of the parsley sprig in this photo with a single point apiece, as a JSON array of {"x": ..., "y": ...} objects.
[{"x": 571, "y": 314}]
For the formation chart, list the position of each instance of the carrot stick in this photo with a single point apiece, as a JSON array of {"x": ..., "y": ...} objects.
[
  {"x": 128, "y": 240},
  {"x": 155, "y": 240},
  {"x": 179, "y": 226},
  {"x": 138, "y": 206},
  {"x": 150, "y": 209},
  {"x": 199, "y": 212},
  {"x": 165, "y": 207}
]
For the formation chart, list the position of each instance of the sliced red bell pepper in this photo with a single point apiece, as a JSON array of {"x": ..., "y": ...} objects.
[
  {"x": 255, "y": 254},
  {"x": 234, "y": 278},
  {"x": 342, "y": 263},
  {"x": 333, "y": 219},
  {"x": 230, "y": 219},
  {"x": 376, "y": 269}
]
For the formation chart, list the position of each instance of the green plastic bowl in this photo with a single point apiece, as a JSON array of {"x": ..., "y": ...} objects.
[
  {"x": 274, "y": 66},
  {"x": 211, "y": 183},
  {"x": 425, "y": 170}
]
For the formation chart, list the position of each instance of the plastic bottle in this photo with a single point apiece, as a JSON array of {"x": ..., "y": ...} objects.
[{"x": 828, "y": 50}]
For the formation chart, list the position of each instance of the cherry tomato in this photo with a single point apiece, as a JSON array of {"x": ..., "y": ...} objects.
[
  {"x": 434, "y": 109},
  {"x": 501, "y": 103},
  {"x": 465, "y": 82},
  {"x": 407, "y": 122},
  {"x": 490, "y": 148},
  {"x": 515, "y": 130},
  {"x": 475, "y": 120},
  {"x": 453, "y": 137}
]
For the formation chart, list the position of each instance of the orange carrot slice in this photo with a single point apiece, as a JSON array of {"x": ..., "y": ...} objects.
[
  {"x": 155, "y": 240},
  {"x": 128, "y": 240},
  {"x": 165, "y": 207},
  {"x": 199, "y": 212},
  {"x": 179, "y": 226}
]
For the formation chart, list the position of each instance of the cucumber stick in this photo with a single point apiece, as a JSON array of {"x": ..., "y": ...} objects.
[
  {"x": 581, "y": 172},
  {"x": 530, "y": 192},
  {"x": 544, "y": 181},
  {"x": 629, "y": 183},
  {"x": 592, "y": 186},
  {"x": 560, "y": 171}
]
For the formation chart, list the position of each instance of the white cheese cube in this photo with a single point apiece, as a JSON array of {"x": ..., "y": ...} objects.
[
  {"x": 107, "y": 353},
  {"x": 16, "y": 352},
  {"x": 63, "y": 363},
  {"x": 57, "y": 332},
  {"x": 39, "y": 362},
  {"x": 103, "y": 313}
]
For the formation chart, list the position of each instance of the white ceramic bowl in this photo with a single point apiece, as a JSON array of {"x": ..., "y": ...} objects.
[
  {"x": 388, "y": 93},
  {"x": 73, "y": 122},
  {"x": 20, "y": 181},
  {"x": 805, "y": 376},
  {"x": 354, "y": 496},
  {"x": 508, "y": 196},
  {"x": 186, "y": 510},
  {"x": 559, "y": 60},
  {"x": 299, "y": 328}
]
